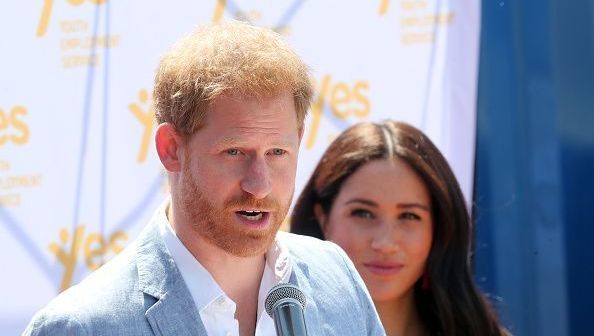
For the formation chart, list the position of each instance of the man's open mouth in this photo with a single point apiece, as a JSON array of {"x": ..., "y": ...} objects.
[{"x": 251, "y": 215}]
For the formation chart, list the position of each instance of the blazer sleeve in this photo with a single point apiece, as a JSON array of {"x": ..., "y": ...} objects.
[{"x": 45, "y": 323}]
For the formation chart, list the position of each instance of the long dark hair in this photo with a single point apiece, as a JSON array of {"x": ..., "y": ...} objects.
[{"x": 452, "y": 305}]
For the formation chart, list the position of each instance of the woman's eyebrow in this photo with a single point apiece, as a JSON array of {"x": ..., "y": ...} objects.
[
  {"x": 362, "y": 200},
  {"x": 413, "y": 205}
]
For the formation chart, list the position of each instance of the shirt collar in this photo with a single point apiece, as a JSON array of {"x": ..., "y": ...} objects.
[
  {"x": 201, "y": 284},
  {"x": 278, "y": 270}
]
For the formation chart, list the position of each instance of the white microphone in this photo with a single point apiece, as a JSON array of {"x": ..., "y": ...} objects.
[{"x": 285, "y": 304}]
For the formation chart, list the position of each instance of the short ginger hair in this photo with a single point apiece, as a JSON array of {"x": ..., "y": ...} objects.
[{"x": 227, "y": 57}]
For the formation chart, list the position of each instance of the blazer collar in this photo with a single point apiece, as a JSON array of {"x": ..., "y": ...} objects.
[{"x": 173, "y": 311}]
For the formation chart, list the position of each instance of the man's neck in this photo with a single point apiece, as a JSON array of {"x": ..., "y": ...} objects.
[{"x": 238, "y": 277}]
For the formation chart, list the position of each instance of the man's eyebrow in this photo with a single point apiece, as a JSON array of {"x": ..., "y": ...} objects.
[
  {"x": 233, "y": 142},
  {"x": 226, "y": 142}
]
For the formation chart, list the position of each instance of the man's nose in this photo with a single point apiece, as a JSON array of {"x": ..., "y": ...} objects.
[{"x": 257, "y": 180}]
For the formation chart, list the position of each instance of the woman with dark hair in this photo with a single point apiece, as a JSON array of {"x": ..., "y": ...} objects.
[{"x": 388, "y": 197}]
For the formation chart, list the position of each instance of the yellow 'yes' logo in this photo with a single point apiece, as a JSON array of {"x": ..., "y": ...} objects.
[
  {"x": 94, "y": 246},
  {"x": 12, "y": 127},
  {"x": 384, "y": 4},
  {"x": 146, "y": 118},
  {"x": 344, "y": 100}
]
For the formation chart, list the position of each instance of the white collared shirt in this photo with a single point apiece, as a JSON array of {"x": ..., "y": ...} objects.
[{"x": 216, "y": 309}]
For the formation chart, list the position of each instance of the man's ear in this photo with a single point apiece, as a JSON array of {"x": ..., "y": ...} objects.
[
  {"x": 320, "y": 216},
  {"x": 169, "y": 145}
]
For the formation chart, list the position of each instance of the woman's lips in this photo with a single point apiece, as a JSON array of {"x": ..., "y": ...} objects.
[{"x": 383, "y": 268}]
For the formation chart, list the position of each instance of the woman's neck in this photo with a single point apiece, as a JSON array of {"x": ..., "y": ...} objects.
[{"x": 400, "y": 316}]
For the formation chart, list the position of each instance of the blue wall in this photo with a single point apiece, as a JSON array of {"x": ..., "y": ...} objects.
[{"x": 534, "y": 175}]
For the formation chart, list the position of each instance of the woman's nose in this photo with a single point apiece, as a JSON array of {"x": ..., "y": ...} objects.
[{"x": 385, "y": 239}]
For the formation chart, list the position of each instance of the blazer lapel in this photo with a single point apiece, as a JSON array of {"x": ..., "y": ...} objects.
[
  {"x": 299, "y": 278},
  {"x": 173, "y": 311},
  {"x": 171, "y": 316}
]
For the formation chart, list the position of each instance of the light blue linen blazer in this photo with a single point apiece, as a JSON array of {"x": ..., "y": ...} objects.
[{"x": 141, "y": 292}]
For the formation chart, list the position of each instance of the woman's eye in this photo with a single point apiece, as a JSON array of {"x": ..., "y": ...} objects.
[
  {"x": 362, "y": 213},
  {"x": 233, "y": 151},
  {"x": 410, "y": 216},
  {"x": 278, "y": 151}
]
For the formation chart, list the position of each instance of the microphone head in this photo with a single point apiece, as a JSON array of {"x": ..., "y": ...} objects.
[{"x": 283, "y": 292}]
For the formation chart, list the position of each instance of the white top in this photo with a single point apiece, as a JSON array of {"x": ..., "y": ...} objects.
[{"x": 216, "y": 309}]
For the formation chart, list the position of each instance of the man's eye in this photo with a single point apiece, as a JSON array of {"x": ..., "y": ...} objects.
[
  {"x": 362, "y": 213},
  {"x": 278, "y": 151},
  {"x": 233, "y": 151}
]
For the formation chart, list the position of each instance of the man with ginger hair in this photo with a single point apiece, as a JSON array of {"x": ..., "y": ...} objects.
[{"x": 230, "y": 101}]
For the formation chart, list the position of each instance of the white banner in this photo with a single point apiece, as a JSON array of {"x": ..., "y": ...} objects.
[{"x": 78, "y": 173}]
